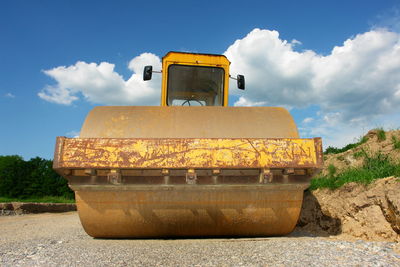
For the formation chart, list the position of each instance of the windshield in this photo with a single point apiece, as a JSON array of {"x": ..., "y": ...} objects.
[{"x": 195, "y": 86}]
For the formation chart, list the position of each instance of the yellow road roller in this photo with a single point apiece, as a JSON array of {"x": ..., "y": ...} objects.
[{"x": 191, "y": 167}]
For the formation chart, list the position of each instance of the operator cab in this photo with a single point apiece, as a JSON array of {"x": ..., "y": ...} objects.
[{"x": 194, "y": 79}]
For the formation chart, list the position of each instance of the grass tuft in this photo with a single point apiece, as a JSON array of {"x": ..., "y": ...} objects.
[
  {"x": 396, "y": 142},
  {"x": 381, "y": 134},
  {"x": 374, "y": 167},
  {"x": 359, "y": 154},
  {"x": 331, "y": 170}
]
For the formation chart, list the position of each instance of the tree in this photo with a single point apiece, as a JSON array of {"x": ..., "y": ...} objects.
[{"x": 33, "y": 178}]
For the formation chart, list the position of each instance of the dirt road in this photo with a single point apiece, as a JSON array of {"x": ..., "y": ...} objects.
[{"x": 59, "y": 240}]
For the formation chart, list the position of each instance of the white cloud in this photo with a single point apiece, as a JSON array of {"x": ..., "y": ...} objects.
[
  {"x": 99, "y": 83},
  {"x": 388, "y": 19},
  {"x": 356, "y": 86},
  {"x": 247, "y": 103},
  {"x": 358, "y": 78},
  {"x": 397, "y": 94},
  {"x": 341, "y": 133},
  {"x": 73, "y": 134},
  {"x": 9, "y": 95},
  {"x": 308, "y": 120},
  {"x": 296, "y": 42},
  {"x": 274, "y": 72}
]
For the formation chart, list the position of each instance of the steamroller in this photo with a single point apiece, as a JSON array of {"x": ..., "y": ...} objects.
[{"x": 191, "y": 167}]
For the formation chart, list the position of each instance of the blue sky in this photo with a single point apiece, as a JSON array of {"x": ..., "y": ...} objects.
[{"x": 328, "y": 91}]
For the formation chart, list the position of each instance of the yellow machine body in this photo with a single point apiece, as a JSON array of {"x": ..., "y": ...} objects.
[{"x": 204, "y": 170}]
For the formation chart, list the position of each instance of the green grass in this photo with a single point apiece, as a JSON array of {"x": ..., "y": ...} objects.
[
  {"x": 375, "y": 167},
  {"x": 396, "y": 142},
  {"x": 331, "y": 170},
  {"x": 38, "y": 200},
  {"x": 381, "y": 134},
  {"x": 359, "y": 154},
  {"x": 334, "y": 150}
]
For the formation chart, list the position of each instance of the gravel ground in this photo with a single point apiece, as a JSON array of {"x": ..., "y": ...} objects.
[{"x": 59, "y": 240}]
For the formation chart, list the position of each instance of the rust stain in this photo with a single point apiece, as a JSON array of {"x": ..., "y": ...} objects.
[{"x": 187, "y": 153}]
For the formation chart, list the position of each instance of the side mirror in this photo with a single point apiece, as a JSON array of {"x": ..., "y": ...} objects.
[
  {"x": 240, "y": 82},
  {"x": 147, "y": 72}
]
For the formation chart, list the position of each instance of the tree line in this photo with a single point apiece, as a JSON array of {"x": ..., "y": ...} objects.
[{"x": 30, "y": 179}]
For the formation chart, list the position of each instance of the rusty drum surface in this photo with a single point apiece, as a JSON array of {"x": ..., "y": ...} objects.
[{"x": 180, "y": 211}]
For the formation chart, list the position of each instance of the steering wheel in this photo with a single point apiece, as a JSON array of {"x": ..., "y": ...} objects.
[{"x": 188, "y": 102}]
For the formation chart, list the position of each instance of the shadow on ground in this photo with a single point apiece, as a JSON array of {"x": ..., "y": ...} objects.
[{"x": 313, "y": 222}]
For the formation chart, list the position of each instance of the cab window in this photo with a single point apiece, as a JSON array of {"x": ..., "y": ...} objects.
[{"x": 195, "y": 85}]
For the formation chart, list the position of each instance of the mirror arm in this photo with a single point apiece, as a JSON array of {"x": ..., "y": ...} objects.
[
  {"x": 148, "y": 71},
  {"x": 240, "y": 81}
]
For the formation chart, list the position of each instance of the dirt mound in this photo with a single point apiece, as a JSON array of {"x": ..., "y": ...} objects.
[
  {"x": 373, "y": 145},
  {"x": 367, "y": 212}
]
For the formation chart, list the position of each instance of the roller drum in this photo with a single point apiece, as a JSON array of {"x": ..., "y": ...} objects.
[{"x": 188, "y": 210}]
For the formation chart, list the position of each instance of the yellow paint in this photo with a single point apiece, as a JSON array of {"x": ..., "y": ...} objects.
[
  {"x": 195, "y": 60},
  {"x": 188, "y": 153}
]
